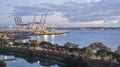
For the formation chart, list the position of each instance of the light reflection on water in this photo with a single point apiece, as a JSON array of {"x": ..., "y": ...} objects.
[
  {"x": 110, "y": 38},
  {"x": 53, "y": 39},
  {"x": 48, "y": 38},
  {"x": 45, "y": 37}
]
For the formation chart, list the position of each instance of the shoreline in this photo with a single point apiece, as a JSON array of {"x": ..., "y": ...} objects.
[
  {"x": 57, "y": 58},
  {"x": 33, "y": 54}
]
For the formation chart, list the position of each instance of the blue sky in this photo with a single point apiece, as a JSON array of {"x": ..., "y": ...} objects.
[{"x": 67, "y": 13}]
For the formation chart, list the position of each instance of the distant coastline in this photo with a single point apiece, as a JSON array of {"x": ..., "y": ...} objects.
[
  {"x": 87, "y": 28},
  {"x": 73, "y": 28}
]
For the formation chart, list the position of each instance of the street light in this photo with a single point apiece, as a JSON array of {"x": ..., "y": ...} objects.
[{"x": 111, "y": 60}]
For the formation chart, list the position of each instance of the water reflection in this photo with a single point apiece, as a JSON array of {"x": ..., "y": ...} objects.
[
  {"x": 5, "y": 57},
  {"x": 38, "y": 37},
  {"x": 27, "y": 62},
  {"x": 38, "y": 61},
  {"x": 53, "y": 39},
  {"x": 48, "y": 38},
  {"x": 45, "y": 37}
]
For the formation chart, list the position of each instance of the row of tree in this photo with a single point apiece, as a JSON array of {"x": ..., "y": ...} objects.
[
  {"x": 97, "y": 49},
  {"x": 94, "y": 49}
]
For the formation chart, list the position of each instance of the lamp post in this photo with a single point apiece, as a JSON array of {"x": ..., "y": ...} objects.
[{"x": 111, "y": 61}]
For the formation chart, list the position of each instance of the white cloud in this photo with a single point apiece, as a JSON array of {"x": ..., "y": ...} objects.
[
  {"x": 83, "y": 1},
  {"x": 71, "y": 12},
  {"x": 75, "y": 11}
]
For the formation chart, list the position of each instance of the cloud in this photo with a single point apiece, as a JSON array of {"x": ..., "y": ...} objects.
[
  {"x": 75, "y": 11},
  {"x": 1, "y": 13},
  {"x": 83, "y": 1},
  {"x": 31, "y": 10},
  {"x": 112, "y": 20}
]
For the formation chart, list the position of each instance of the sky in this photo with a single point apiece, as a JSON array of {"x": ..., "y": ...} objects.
[{"x": 63, "y": 13}]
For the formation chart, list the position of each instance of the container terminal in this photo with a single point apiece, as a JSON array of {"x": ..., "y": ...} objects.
[{"x": 30, "y": 28}]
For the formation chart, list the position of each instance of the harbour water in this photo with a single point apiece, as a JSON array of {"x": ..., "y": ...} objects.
[
  {"x": 111, "y": 38},
  {"x": 26, "y": 62}
]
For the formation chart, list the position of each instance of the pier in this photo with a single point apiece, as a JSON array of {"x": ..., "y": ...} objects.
[{"x": 7, "y": 59}]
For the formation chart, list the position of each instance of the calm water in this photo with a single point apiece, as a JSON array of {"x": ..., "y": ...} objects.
[
  {"x": 110, "y": 38},
  {"x": 25, "y": 62}
]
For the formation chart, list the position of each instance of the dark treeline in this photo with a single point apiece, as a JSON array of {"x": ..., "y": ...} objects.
[{"x": 96, "y": 50}]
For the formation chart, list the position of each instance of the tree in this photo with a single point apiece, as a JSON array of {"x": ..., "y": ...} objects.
[
  {"x": 49, "y": 45},
  {"x": 71, "y": 45},
  {"x": 117, "y": 54},
  {"x": 4, "y": 41},
  {"x": 26, "y": 44},
  {"x": 43, "y": 44},
  {"x": 2, "y": 64},
  {"x": 98, "y": 46},
  {"x": 88, "y": 51},
  {"x": 34, "y": 43},
  {"x": 68, "y": 44},
  {"x": 16, "y": 44},
  {"x": 118, "y": 49},
  {"x": 46, "y": 45},
  {"x": 101, "y": 53}
]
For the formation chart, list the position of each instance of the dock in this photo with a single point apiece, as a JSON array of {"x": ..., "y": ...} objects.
[{"x": 7, "y": 59}]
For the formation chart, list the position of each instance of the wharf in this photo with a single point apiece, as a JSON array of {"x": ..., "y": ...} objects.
[
  {"x": 29, "y": 33},
  {"x": 7, "y": 59}
]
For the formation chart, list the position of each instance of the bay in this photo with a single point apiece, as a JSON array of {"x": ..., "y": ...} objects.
[{"x": 110, "y": 38}]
